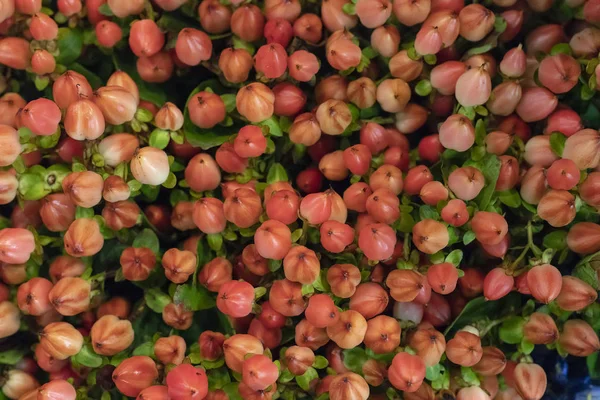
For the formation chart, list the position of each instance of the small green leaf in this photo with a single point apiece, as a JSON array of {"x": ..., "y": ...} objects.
[
  {"x": 349, "y": 8},
  {"x": 156, "y": 300},
  {"x": 510, "y": 198},
  {"x": 104, "y": 9},
  {"x": 469, "y": 376},
  {"x": 354, "y": 359},
  {"x": 87, "y": 357},
  {"x": 557, "y": 143},
  {"x": 144, "y": 349},
  {"x": 320, "y": 362},
  {"x": 277, "y": 173},
  {"x": 159, "y": 138},
  {"x": 82, "y": 212},
  {"x": 12, "y": 356},
  {"x": 194, "y": 298},
  {"x": 229, "y": 100},
  {"x": 41, "y": 82},
  {"x": 468, "y": 237},
  {"x": 134, "y": 186},
  {"x": 526, "y": 346},
  {"x": 70, "y": 45},
  {"x": 423, "y": 88},
  {"x": 148, "y": 239},
  {"x": 428, "y": 212},
  {"x": 455, "y": 257},
  {"x": 305, "y": 379},
  {"x": 271, "y": 126},
  {"x": 511, "y": 330},
  {"x": 587, "y": 273}
]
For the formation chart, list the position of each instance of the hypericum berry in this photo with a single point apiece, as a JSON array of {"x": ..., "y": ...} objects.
[
  {"x": 134, "y": 374},
  {"x": 575, "y": 294},
  {"x": 349, "y": 331},
  {"x": 83, "y": 238},
  {"x": 393, "y": 95},
  {"x": 235, "y": 298},
  {"x": 429, "y": 345},
  {"x": 464, "y": 349},
  {"x": 406, "y": 372},
  {"x": 83, "y": 188},
  {"x": 492, "y": 363},
  {"x": 273, "y": 240},
  {"x": 193, "y": 46},
  {"x": 404, "y": 284},
  {"x": 530, "y": 381},
  {"x": 540, "y": 329},
  {"x": 111, "y": 335},
  {"x": 59, "y": 388},
  {"x": 61, "y": 340},
  {"x": 15, "y": 52},
  {"x": 117, "y": 104},
  {"x": 578, "y": 338},
  {"x": 321, "y": 311},
  {"x": 214, "y": 17},
  {"x": 286, "y": 298},
  {"x": 32, "y": 296},
  {"x": 247, "y": 22},
  {"x": 237, "y": 347},
  {"x": 377, "y": 241},
  {"x": 187, "y": 382},
  {"x": 70, "y": 296},
  {"x": 582, "y": 148},
  {"x": 215, "y": 274},
  {"x": 42, "y": 62},
  {"x": 497, "y": 284}
]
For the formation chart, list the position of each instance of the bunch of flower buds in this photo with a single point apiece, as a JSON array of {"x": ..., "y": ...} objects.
[{"x": 338, "y": 199}]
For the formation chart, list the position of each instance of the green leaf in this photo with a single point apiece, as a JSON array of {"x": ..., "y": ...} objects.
[
  {"x": 271, "y": 126},
  {"x": 561, "y": 48},
  {"x": 510, "y": 198},
  {"x": 455, "y": 257},
  {"x": 349, "y": 8},
  {"x": 556, "y": 240},
  {"x": 144, "y": 349},
  {"x": 469, "y": 376},
  {"x": 321, "y": 283},
  {"x": 557, "y": 143},
  {"x": 526, "y": 346},
  {"x": 593, "y": 365},
  {"x": 12, "y": 356},
  {"x": 70, "y": 45},
  {"x": 41, "y": 82},
  {"x": 480, "y": 308},
  {"x": 428, "y": 212},
  {"x": 354, "y": 359},
  {"x": 32, "y": 187},
  {"x": 490, "y": 167},
  {"x": 87, "y": 357},
  {"x": 511, "y": 330},
  {"x": 49, "y": 142},
  {"x": 587, "y": 273},
  {"x": 148, "y": 239},
  {"x": 500, "y": 24},
  {"x": 159, "y": 139},
  {"x": 480, "y": 132},
  {"x": 277, "y": 173},
  {"x": 82, "y": 212},
  {"x": 229, "y": 100},
  {"x": 104, "y": 9},
  {"x": 194, "y": 298},
  {"x": 434, "y": 372},
  {"x": 423, "y": 88},
  {"x": 231, "y": 389},
  {"x": 134, "y": 186},
  {"x": 468, "y": 237},
  {"x": 305, "y": 379},
  {"x": 320, "y": 362},
  {"x": 480, "y": 50},
  {"x": 156, "y": 299}
]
